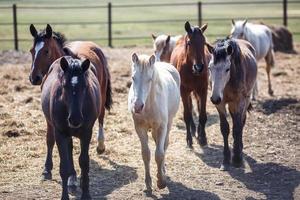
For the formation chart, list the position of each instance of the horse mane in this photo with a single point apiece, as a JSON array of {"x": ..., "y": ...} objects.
[{"x": 59, "y": 37}]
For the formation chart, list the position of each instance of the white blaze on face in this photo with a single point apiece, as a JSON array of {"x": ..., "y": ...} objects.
[
  {"x": 37, "y": 48},
  {"x": 74, "y": 80}
]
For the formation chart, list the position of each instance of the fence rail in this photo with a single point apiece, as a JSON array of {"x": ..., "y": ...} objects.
[{"x": 110, "y": 7}]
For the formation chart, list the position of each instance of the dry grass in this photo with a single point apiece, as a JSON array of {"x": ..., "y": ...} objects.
[{"x": 271, "y": 142}]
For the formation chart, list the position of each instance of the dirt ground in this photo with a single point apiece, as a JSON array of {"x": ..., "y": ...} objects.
[{"x": 271, "y": 142}]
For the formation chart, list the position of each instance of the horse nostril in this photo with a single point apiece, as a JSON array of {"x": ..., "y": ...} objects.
[{"x": 138, "y": 107}]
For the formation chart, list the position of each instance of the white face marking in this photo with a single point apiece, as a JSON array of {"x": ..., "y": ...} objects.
[
  {"x": 74, "y": 80},
  {"x": 37, "y": 48}
]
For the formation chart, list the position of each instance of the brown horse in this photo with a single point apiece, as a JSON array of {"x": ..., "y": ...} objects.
[
  {"x": 191, "y": 57},
  {"x": 233, "y": 71},
  {"x": 48, "y": 46},
  {"x": 71, "y": 102}
]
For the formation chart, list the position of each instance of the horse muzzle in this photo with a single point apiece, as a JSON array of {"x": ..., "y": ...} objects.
[
  {"x": 35, "y": 80},
  {"x": 138, "y": 107},
  {"x": 215, "y": 100},
  {"x": 198, "y": 68},
  {"x": 75, "y": 122}
]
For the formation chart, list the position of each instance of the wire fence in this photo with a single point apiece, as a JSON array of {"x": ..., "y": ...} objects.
[{"x": 110, "y": 20}]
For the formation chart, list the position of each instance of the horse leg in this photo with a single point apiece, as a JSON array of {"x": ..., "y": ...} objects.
[
  {"x": 193, "y": 126},
  {"x": 238, "y": 113},
  {"x": 169, "y": 126},
  {"x": 270, "y": 63},
  {"x": 84, "y": 162},
  {"x": 100, "y": 135},
  {"x": 142, "y": 133},
  {"x": 47, "y": 175},
  {"x": 160, "y": 133},
  {"x": 62, "y": 145},
  {"x": 201, "y": 103},
  {"x": 187, "y": 115},
  {"x": 72, "y": 180},
  {"x": 255, "y": 91},
  {"x": 224, "y": 126}
]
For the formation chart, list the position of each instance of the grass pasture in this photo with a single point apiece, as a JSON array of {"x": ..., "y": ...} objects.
[{"x": 97, "y": 31}]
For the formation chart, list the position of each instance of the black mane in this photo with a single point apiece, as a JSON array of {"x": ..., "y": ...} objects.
[{"x": 59, "y": 37}]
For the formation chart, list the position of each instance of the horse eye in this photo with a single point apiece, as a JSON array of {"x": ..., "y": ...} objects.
[
  {"x": 47, "y": 51},
  {"x": 133, "y": 78},
  {"x": 227, "y": 70}
]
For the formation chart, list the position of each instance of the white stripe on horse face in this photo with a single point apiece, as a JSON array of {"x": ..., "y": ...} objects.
[
  {"x": 37, "y": 48},
  {"x": 74, "y": 80}
]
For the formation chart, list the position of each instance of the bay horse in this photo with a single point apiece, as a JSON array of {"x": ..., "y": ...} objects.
[
  {"x": 71, "y": 102},
  {"x": 233, "y": 72},
  {"x": 191, "y": 57},
  {"x": 48, "y": 46},
  {"x": 163, "y": 46},
  {"x": 153, "y": 100},
  {"x": 260, "y": 37}
]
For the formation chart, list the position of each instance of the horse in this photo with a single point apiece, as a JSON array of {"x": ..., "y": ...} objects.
[
  {"x": 191, "y": 57},
  {"x": 233, "y": 71},
  {"x": 163, "y": 46},
  {"x": 260, "y": 37},
  {"x": 153, "y": 100},
  {"x": 71, "y": 102},
  {"x": 48, "y": 46}
]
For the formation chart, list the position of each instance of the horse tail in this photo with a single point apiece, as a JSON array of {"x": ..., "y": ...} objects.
[{"x": 109, "y": 101}]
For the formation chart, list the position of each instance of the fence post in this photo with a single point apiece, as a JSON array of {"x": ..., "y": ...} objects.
[
  {"x": 285, "y": 12},
  {"x": 199, "y": 13},
  {"x": 109, "y": 25},
  {"x": 15, "y": 27}
]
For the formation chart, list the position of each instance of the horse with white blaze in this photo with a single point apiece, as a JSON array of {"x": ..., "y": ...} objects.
[{"x": 153, "y": 100}]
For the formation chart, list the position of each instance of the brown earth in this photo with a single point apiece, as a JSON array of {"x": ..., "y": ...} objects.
[{"x": 271, "y": 142}]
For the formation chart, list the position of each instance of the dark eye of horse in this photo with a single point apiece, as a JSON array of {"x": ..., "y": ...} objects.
[
  {"x": 46, "y": 51},
  {"x": 227, "y": 70}
]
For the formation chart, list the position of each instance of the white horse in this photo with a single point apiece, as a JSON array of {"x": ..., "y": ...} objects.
[
  {"x": 153, "y": 100},
  {"x": 260, "y": 37},
  {"x": 163, "y": 46}
]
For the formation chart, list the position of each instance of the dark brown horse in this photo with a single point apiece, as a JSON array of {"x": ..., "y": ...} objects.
[
  {"x": 48, "y": 46},
  {"x": 233, "y": 71},
  {"x": 191, "y": 58},
  {"x": 71, "y": 102}
]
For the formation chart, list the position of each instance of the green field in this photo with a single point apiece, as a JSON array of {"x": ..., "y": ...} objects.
[{"x": 26, "y": 16}]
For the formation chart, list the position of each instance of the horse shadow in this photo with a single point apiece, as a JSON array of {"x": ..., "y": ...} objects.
[
  {"x": 271, "y": 106},
  {"x": 274, "y": 180},
  {"x": 104, "y": 181}
]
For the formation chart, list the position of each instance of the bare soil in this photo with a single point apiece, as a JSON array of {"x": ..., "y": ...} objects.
[{"x": 271, "y": 142}]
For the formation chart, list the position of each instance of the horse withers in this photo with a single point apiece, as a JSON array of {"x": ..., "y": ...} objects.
[
  {"x": 153, "y": 100},
  {"x": 163, "y": 46},
  {"x": 191, "y": 57},
  {"x": 48, "y": 46},
  {"x": 233, "y": 72},
  {"x": 71, "y": 102},
  {"x": 260, "y": 37}
]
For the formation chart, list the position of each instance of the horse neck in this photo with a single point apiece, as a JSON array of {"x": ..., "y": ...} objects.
[
  {"x": 57, "y": 51},
  {"x": 155, "y": 82}
]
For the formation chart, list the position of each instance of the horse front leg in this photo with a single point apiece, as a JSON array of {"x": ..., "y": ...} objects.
[
  {"x": 100, "y": 134},
  {"x": 160, "y": 134},
  {"x": 146, "y": 154},
  {"x": 62, "y": 145},
  {"x": 201, "y": 101},
  {"x": 187, "y": 115},
  {"x": 224, "y": 127},
  {"x": 47, "y": 175},
  {"x": 72, "y": 180},
  {"x": 270, "y": 63}
]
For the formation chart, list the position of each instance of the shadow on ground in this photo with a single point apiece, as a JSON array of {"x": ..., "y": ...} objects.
[
  {"x": 271, "y": 106},
  {"x": 274, "y": 180}
]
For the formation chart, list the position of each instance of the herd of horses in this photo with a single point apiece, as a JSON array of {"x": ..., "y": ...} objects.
[{"x": 76, "y": 91}]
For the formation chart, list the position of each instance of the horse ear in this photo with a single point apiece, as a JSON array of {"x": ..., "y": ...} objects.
[
  {"x": 187, "y": 27},
  {"x": 64, "y": 64},
  {"x": 33, "y": 31},
  {"x": 245, "y": 22},
  {"x": 232, "y": 22},
  {"x": 153, "y": 36},
  {"x": 168, "y": 39},
  {"x": 229, "y": 50},
  {"x": 209, "y": 47},
  {"x": 152, "y": 60},
  {"x": 134, "y": 58},
  {"x": 48, "y": 31},
  {"x": 85, "y": 65},
  {"x": 203, "y": 28}
]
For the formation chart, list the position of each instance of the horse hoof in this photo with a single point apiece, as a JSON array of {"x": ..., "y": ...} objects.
[
  {"x": 72, "y": 189},
  {"x": 271, "y": 92},
  {"x": 237, "y": 162},
  {"x": 72, "y": 181},
  {"x": 100, "y": 151},
  {"x": 46, "y": 176},
  {"x": 86, "y": 197},
  {"x": 224, "y": 167},
  {"x": 161, "y": 184},
  {"x": 202, "y": 142}
]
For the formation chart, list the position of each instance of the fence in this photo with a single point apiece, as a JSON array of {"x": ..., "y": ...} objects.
[{"x": 110, "y": 22}]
